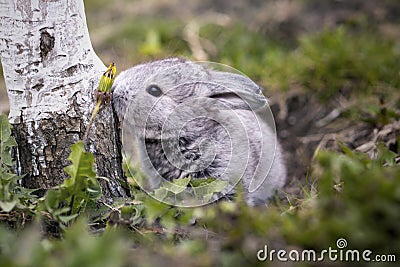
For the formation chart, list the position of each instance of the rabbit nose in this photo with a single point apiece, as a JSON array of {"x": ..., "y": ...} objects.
[{"x": 192, "y": 156}]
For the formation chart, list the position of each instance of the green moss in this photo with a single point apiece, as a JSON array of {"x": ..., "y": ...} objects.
[
  {"x": 144, "y": 39},
  {"x": 338, "y": 59},
  {"x": 325, "y": 63}
]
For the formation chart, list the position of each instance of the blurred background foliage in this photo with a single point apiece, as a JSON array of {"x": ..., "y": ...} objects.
[{"x": 331, "y": 72}]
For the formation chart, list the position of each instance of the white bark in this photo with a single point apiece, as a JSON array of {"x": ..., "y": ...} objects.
[
  {"x": 51, "y": 70},
  {"x": 47, "y": 57}
]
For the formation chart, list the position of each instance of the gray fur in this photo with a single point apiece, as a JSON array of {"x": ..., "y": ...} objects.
[{"x": 203, "y": 125}]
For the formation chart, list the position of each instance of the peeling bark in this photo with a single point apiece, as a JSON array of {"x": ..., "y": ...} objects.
[{"x": 51, "y": 71}]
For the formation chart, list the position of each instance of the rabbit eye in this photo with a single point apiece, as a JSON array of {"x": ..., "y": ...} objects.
[{"x": 154, "y": 90}]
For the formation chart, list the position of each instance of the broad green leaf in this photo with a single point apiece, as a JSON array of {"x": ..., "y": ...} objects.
[
  {"x": 5, "y": 128},
  {"x": 68, "y": 218},
  {"x": 68, "y": 200},
  {"x": 385, "y": 155},
  {"x": 82, "y": 163},
  {"x": 217, "y": 186},
  {"x": 154, "y": 209},
  {"x": 6, "y": 141},
  {"x": 9, "y": 177},
  {"x": 12, "y": 194},
  {"x": 94, "y": 190},
  {"x": 10, "y": 142},
  {"x": 207, "y": 189},
  {"x": 7, "y": 206},
  {"x": 51, "y": 200},
  {"x": 59, "y": 212},
  {"x": 201, "y": 182},
  {"x": 160, "y": 193},
  {"x": 177, "y": 186},
  {"x": 207, "y": 197}
]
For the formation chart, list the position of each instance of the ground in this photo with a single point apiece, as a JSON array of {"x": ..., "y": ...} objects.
[
  {"x": 330, "y": 71},
  {"x": 279, "y": 21}
]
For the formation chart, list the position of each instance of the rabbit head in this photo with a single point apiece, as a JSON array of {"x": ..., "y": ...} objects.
[{"x": 158, "y": 87}]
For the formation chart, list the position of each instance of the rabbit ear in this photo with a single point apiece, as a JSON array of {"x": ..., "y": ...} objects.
[{"x": 236, "y": 91}]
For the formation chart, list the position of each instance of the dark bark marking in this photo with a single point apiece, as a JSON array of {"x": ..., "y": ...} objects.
[
  {"x": 46, "y": 44},
  {"x": 73, "y": 70},
  {"x": 39, "y": 85}
]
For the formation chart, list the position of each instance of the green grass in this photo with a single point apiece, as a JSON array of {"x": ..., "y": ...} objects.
[
  {"x": 348, "y": 195},
  {"x": 324, "y": 63},
  {"x": 143, "y": 39},
  {"x": 341, "y": 60},
  {"x": 355, "y": 198},
  {"x": 332, "y": 62},
  {"x": 230, "y": 233}
]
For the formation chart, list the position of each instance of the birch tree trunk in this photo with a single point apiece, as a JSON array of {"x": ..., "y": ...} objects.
[{"x": 51, "y": 71}]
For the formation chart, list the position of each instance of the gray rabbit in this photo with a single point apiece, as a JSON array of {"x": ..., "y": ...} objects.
[{"x": 194, "y": 121}]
